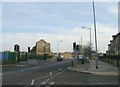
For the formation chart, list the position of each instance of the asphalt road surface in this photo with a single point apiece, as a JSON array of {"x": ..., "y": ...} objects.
[
  {"x": 47, "y": 74},
  {"x": 30, "y": 75}
]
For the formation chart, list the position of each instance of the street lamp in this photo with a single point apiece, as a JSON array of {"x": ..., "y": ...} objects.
[
  {"x": 58, "y": 46},
  {"x": 90, "y": 39},
  {"x": 96, "y": 53}
]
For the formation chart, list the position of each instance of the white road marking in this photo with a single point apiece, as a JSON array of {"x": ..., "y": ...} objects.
[
  {"x": 50, "y": 73},
  {"x": 60, "y": 69},
  {"x": 47, "y": 80},
  {"x": 57, "y": 74},
  {"x": 51, "y": 78},
  {"x": 43, "y": 83},
  {"x": 52, "y": 83},
  {"x": 68, "y": 83},
  {"x": 32, "y": 82},
  {"x": 39, "y": 78},
  {"x": 42, "y": 77},
  {"x": 22, "y": 70}
]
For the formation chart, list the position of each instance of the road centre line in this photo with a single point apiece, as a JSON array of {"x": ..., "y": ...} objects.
[{"x": 52, "y": 78}]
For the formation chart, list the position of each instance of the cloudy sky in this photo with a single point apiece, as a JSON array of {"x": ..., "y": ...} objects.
[{"x": 25, "y": 23}]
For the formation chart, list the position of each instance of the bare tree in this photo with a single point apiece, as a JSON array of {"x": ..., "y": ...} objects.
[{"x": 87, "y": 49}]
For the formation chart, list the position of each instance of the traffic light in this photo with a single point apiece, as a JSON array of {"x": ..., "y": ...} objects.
[
  {"x": 74, "y": 46},
  {"x": 28, "y": 49},
  {"x": 16, "y": 48},
  {"x": 77, "y": 47}
]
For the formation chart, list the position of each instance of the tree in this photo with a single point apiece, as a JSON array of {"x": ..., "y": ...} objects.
[{"x": 87, "y": 49}]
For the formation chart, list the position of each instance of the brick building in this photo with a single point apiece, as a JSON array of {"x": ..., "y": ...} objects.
[{"x": 41, "y": 47}]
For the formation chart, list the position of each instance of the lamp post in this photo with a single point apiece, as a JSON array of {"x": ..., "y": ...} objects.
[
  {"x": 96, "y": 53},
  {"x": 90, "y": 39}
]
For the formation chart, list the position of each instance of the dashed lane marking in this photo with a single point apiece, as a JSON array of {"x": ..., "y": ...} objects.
[
  {"x": 52, "y": 83},
  {"x": 51, "y": 78},
  {"x": 32, "y": 82},
  {"x": 43, "y": 83},
  {"x": 47, "y": 80}
]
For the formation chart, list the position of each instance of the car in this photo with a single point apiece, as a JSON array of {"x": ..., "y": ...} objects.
[
  {"x": 59, "y": 58},
  {"x": 80, "y": 57}
]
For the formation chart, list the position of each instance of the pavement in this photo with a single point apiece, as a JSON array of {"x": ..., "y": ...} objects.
[
  {"x": 103, "y": 68},
  {"x": 105, "y": 74}
]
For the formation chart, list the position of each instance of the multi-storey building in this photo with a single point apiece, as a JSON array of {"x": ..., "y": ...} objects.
[{"x": 114, "y": 46}]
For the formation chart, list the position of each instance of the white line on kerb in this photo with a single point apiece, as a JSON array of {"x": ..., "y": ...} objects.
[{"x": 32, "y": 82}]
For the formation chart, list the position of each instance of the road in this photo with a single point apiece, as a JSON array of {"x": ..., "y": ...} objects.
[
  {"x": 37, "y": 74},
  {"x": 48, "y": 73}
]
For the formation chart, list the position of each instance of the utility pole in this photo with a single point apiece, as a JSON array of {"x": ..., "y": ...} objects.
[{"x": 81, "y": 47}]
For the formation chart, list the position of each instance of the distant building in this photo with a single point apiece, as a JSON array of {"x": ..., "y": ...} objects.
[
  {"x": 114, "y": 46},
  {"x": 41, "y": 47},
  {"x": 67, "y": 55}
]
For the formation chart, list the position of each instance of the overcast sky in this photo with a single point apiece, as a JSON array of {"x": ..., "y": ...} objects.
[{"x": 25, "y": 23}]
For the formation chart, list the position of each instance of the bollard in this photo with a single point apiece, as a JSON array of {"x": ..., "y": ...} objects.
[
  {"x": 82, "y": 61},
  {"x": 72, "y": 63}
]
